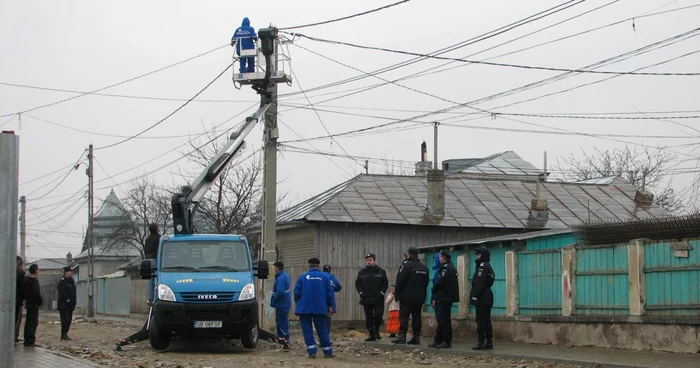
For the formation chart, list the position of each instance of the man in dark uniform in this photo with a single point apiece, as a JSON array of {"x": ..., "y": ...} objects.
[
  {"x": 481, "y": 297},
  {"x": 19, "y": 299},
  {"x": 150, "y": 251},
  {"x": 372, "y": 283},
  {"x": 411, "y": 289},
  {"x": 32, "y": 301},
  {"x": 66, "y": 301},
  {"x": 446, "y": 292}
]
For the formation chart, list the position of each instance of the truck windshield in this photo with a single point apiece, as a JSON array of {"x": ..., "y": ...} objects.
[{"x": 204, "y": 256}]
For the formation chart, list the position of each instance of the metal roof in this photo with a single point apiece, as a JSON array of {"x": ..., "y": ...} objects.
[
  {"x": 504, "y": 163},
  {"x": 468, "y": 203},
  {"x": 49, "y": 263},
  {"x": 503, "y": 238}
]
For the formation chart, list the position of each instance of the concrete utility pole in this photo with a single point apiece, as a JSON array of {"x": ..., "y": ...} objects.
[
  {"x": 269, "y": 211},
  {"x": 90, "y": 236},
  {"x": 9, "y": 182},
  {"x": 23, "y": 227}
]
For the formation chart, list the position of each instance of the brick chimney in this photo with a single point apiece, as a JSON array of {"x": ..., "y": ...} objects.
[
  {"x": 643, "y": 198},
  {"x": 436, "y": 193},
  {"x": 539, "y": 211},
  {"x": 423, "y": 165},
  {"x": 69, "y": 258}
]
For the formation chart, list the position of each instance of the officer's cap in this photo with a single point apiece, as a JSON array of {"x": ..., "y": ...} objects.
[
  {"x": 446, "y": 253},
  {"x": 67, "y": 268},
  {"x": 370, "y": 255},
  {"x": 413, "y": 251}
]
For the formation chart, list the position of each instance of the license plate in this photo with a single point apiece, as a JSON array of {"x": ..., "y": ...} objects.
[{"x": 208, "y": 324}]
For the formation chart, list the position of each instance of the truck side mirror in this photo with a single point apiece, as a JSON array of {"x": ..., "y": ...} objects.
[
  {"x": 262, "y": 270},
  {"x": 146, "y": 270}
]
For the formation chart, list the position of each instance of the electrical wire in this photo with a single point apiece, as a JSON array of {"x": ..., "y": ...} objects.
[
  {"x": 120, "y": 83},
  {"x": 346, "y": 17},
  {"x": 8, "y": 121},
  {"x": 485, "y": 36},
  {"x": 169, "y": 115},
  {"x": 105, "y": 171},
  {"x": 73, "y": 168},
  {"x": 531, "y": 67}
]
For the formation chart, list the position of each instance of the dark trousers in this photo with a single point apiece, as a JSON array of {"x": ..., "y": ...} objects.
[
  {"x": 444, "y": 320},
  {"x": 483, "y": 322},
  {"x": 413, "y": 311},
  {"x": 18, "y": 319},
  {"x": 66, "y": 319},
  {"x": 30, "y": 325},
  {"x": 247, "y": 65},
  {"x": 374, "y": 314}
]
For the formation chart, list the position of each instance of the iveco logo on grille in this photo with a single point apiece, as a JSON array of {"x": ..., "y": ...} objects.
[{"x": 206, "y": 296}]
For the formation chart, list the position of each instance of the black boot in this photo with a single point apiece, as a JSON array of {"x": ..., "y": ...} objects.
[
  {"x": 444, "y": 345},
  {"x": 377, "y": 335},
  {"x": 480, "y": 343},
  {"x": 415, "y": 340},
  {"x": 401, "y": 339},
  {"x": 489, "y": 343},
  {"x": 372, "y": 337},
  {"x": 65, "y": 337}
]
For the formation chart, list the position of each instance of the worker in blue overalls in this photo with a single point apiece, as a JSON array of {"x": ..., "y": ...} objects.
[
  {"x": 436, "y": 269},
  {"x": 314, "y": 298},
  {"x": 281, "y": 300},
  {"x": 336, "y": 288},
  {"x": 244, "y": 39}
]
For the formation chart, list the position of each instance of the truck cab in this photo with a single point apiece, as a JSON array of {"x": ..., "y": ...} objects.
[{"x": 205, "y": 288}]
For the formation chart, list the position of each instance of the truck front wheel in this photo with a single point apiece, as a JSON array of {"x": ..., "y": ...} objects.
[
  {"x": 159, "y": 340},
  {"x": 250, "y": 337}
]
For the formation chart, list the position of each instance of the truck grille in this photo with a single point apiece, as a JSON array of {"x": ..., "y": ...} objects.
[{"x": 207, "y": 297}]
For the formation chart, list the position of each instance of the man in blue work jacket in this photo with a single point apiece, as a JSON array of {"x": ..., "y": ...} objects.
[
  {"x": 436, "y": 274},
  {"x": 314, "y": 298},
  {"x": 243, "y": 39},
  {"x": 336, "y": 288},
  {"x": 282, "y": 302}
]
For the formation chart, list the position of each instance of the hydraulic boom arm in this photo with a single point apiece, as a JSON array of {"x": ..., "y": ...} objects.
[{"x": 192, "y": 194}]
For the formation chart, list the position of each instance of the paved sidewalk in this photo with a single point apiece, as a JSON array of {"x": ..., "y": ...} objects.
[
  {"x": 41, "y": 358},
  {"x": 596, "y": 357}
]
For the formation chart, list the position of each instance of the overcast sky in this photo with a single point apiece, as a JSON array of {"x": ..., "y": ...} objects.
[{"x": 87, "y": 45}]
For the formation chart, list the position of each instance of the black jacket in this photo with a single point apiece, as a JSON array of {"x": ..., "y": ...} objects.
[
  {"x": 20, "y": 287},
  {"x": 446, "y": 289},
  {"x": 412, "y": 282},
  {"x": 371, "y": 284},
  {"x": 67, "y": 296},
  {"x": 480, "y": 293},
  {"x": 32, "y": 292},
  {"x": 150, "y": 247}
]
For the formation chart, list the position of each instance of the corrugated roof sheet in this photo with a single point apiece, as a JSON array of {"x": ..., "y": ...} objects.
[
  {"x": 468, "y": 203},
  {"x": 504, "y": 163}
]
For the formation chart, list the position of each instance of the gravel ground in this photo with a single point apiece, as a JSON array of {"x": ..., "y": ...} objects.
[{"x": 96, "y": 342}]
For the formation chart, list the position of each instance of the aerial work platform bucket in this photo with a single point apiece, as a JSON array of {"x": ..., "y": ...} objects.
[{"x": 280, "y": 73}]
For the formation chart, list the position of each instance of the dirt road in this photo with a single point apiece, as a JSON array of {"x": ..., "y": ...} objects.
[{"x": 96, "y": 342}]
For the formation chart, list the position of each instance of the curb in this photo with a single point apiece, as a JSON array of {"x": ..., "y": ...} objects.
[
  {"x": 71, "y": 358},
  {"x": 495, "y": 354}
]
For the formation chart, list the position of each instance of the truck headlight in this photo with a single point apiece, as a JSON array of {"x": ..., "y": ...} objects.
[
  {"x": 248, "y": 292},
  {"x": 165, "y": 293}
]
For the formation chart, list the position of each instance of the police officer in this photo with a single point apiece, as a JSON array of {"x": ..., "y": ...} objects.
[
  {"x": 446, "y": 292},
  {"x": 481, "y": 297},
  {"x": 282, "y": 302},
  {"x": 371, "y": 285},
  {"x": 314, "y": 298},
  {"x": 67, "y": 298},
  {"x": 336, "y": 288},
  {"x": 19, "y": 301},
  {"x": 411, "y": 289}
]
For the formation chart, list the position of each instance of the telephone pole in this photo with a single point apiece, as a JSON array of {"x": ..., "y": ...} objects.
[
  {"x": 23, "y": 227},
  {"x": 90, "y": 236},
  {"x": 269, "y": 211}
]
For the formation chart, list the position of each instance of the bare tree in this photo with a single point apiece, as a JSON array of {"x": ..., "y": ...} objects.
[
  {"x": 145, "y": 203},
  {"x": 234, "y": 201},
  {"x": 392, "y": 167},
  {"x": 645, "y": 168}
]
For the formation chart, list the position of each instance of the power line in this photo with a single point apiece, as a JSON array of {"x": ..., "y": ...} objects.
[
  {"x": 46, "y": 175},
  {"x": 532, "y": 67},
  {"x": 8, "y": 121},
  {"x": 485, "y": 36},
  {"x": 73, "y": 168},
  {"x": 120, "y": 83},
  {"x": 105, "y": 171},
  {"x": 346, "y": 17},
  {"x": 169, "y": 115}
]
